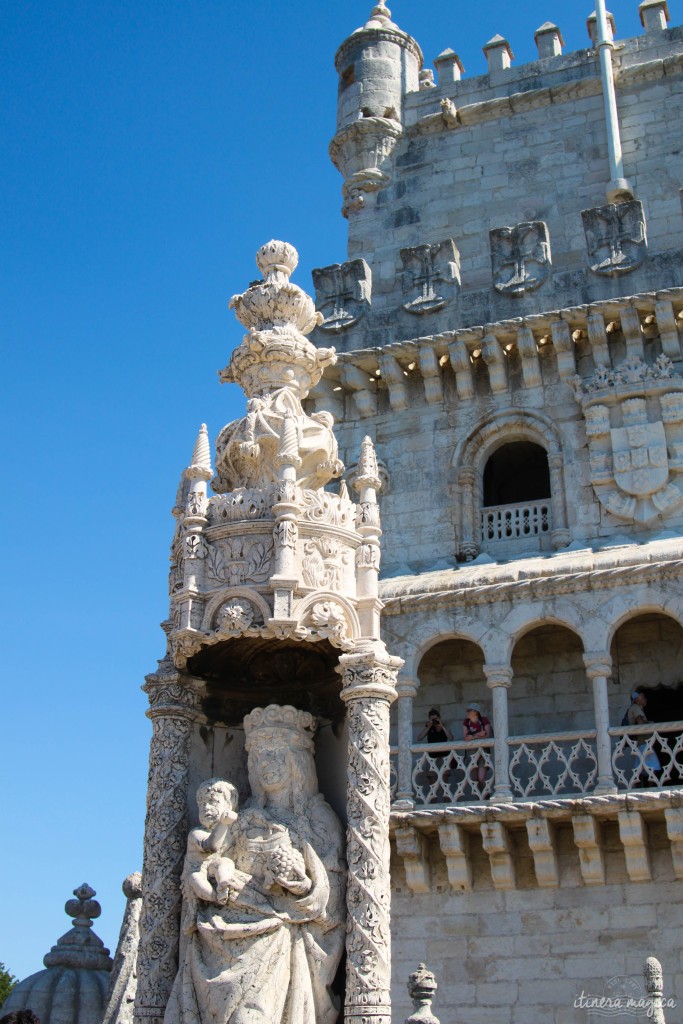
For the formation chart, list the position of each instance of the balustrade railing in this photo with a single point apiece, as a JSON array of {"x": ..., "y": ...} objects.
[
  {"x": 506, "y": 522},
  {"x": 553, "y": 764},
  {"x": 647, "y": 756},
  {"x": 449, "y": 773},
  {"x": 561, "y": 764}
]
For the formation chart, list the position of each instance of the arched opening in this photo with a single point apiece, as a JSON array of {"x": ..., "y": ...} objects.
[
  {"x": 647, "y": 655},
  {"x": 551, "y": 716},
  {"x": 516, "y": 503},
  {"x": 451, "y": 674},
  {"x": 516, "y": 472}
]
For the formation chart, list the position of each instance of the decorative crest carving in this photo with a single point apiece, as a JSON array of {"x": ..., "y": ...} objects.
[
  {"x": 634, "y": 417},
  {"x": 616, "y": 237},
  {"x": 520, "y": 257},
  {"x": 431, "y": 276},
  {"x": 343, "y": 293}
]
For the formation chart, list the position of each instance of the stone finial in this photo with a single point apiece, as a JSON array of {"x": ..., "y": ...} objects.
[
  {"x": 367, "y": 474},
  {"x": 549, "y": 40},
  {"x": 80, "y": 947},
  {"x": 422, "y": 986},
  {"x": 654, "y": 987},
  {"x": 498, "y": 54},
  {"x": 380, "y": 17},
  {"x": 275, "y": 353},
  {"x": 449, "y": 67},
  {"x": 200, "y": 466},
  {"x": 592, "y": 26},
  {"x": 654, "y": 15}
]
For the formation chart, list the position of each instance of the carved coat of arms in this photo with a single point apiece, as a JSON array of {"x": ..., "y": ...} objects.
[
  {"x": 342, "y": 294},
  {"x": 634, "y": 424},
  {"x": 431, "y": 276},
  {"x": 520, "y": 257},
  {"x": 615, "y": 237}
]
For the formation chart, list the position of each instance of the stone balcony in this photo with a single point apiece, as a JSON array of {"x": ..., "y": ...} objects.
[{"x": 555, "y": 797}]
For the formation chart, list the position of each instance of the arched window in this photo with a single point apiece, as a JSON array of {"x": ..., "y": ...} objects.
[
  {"x": 516, "y": 493},
  {"x": 517, "y": 472}
]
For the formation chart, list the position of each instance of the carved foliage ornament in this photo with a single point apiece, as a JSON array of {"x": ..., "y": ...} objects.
[
  {"x": 240, "y": 559},
  {"x": 431, "y": 276},
  {"x": 343, "y": 293},
  {"x": 634, "y": 425},
  {"x": 520, "y": 257},
  {"x": 616, "y": 238}
]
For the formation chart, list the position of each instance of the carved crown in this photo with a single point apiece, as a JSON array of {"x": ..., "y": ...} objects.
[{"x": 282, "y": 724}]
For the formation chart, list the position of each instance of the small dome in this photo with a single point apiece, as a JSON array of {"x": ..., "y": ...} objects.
[{"x": 73, "y": 987}]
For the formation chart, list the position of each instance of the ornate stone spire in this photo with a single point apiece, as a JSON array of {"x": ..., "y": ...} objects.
[
  {"x": 368, "y": 470},
  {"x": 80, "y": 947},
  {"x": 200, "y": 466},
  {"x": 380, "y": 17}
]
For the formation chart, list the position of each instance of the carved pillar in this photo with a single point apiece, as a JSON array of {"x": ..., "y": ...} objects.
[
  {"x": 468, "y": 546},
  {"x": 406, "y": 690},
  {"x": 285, "y": 531},
  {"x": 499, "y": 679},
  {"x": 560, "y": 534},
  {"x": 174, "y": 704},
  {"x": 598, "y": 668},
  {"x": 369, "y": 687}
]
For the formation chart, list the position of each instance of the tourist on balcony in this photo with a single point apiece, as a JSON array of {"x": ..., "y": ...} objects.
[
  {"x": 649, "y": 761},
  {"x": 435, "y": 730},
  {"x": 477, "y": 727}
]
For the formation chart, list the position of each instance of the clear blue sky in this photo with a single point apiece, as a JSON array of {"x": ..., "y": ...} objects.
[{"x": 149, "y": 148}]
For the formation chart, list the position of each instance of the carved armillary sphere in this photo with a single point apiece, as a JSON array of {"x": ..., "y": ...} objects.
[{"x": 279, "y": 314}]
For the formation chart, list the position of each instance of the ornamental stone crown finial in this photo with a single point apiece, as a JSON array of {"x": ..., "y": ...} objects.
[
  {"x": 80, "y": 947},
  {"x": 279, "y": 314},
  {"x": 368, "y": 469},
  {"x": 422, "y": 986}
]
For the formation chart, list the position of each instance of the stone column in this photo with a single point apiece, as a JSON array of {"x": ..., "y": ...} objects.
[
  {"x": 559, "y": 535},
  {"x": 369, "y": 687},
  {"x": 406, "y": 690},
  {"x": 598, "y": 668},
  {"x": 174, "y": 706},
  {"x": 499, "y": 679},
  {"x": 468, "y": 546}
]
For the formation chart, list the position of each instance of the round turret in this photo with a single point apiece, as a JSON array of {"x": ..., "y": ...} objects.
[{"x": 377, "y": 65}]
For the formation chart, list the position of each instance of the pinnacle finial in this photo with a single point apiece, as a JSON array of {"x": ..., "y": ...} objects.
[
  {"x": 380, "y": 16},
  {"x": 368, "y": 469},
  {"x": 200, "y": 466}
]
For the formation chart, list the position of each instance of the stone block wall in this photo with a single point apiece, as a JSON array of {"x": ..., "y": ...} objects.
[{"x": 526, "y": 955}]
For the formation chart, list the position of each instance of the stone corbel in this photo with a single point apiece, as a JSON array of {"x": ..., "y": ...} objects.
[
  {"x": 528, "y": 350},
  {"x": 674, "y": 830},
  {"x": 597, "y": 336},
  {"x": 587, "y": 838},
  {"x": 633, "y": 834},
  {"x": 413, "y": 847},
  {"x": 541, "y": 836},
  {"x": 496, "y": 842},
  {"x": 564, "y": 349},
  {"x": 462, "y": 368},
  {"x": 632, "y": 331},
  {"x": 454, "y": 843},
  {"x": 328, "y": 397},
  {"x": 668, "y": 329},
  {"x": 357, "y": 381},
  {"x": 431, "y": 373},
  {"x": 492, "y": 353},
  {"x": 394, "y": 377}
]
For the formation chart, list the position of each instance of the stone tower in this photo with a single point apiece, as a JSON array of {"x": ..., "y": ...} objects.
[
  {"x": 273, "y": 602},
  {"x": 508, "y": 329}
]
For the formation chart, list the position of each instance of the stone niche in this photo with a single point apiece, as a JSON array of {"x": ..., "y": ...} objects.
[
  {"x": 616, "y": 238},
  {"x": 343, "y": 293},
  {"x": 520, "y": 257},
  {"x": 431, "y": 276}
]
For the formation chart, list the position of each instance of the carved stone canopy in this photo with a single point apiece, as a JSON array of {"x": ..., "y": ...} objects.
[{"x": 242, "y": 673}]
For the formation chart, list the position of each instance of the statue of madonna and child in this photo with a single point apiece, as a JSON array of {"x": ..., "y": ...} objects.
[{"x": 262, "y": 926}]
